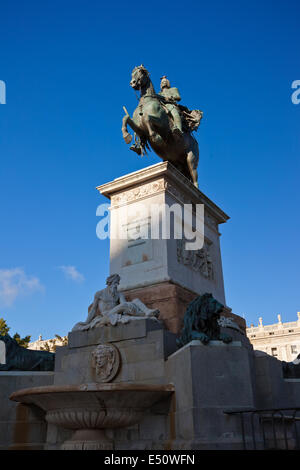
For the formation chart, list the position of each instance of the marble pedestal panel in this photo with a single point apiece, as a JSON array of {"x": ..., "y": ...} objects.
[
  {"x": 210, "y": 379},
  {"x": 21, "y": 427},
  {"x": 143, "y": 347},
  {"x": 158, "y": 268}
]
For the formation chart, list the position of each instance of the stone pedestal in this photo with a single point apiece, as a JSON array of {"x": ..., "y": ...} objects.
[
  {"x": 162, "y": 272},
  {"x": 142, "y": 349},
  {"x": 171, "y": 300},
  {"x": 21, "y": 427},
  {"x": 142, "y": 345},
  {"x": 208, "y": 381}
]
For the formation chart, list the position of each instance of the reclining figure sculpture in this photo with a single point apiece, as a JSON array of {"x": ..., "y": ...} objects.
[{"x": 110, "y": 307}]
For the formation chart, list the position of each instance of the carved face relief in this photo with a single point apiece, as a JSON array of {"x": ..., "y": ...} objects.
[{"x": 106, "y": 362}]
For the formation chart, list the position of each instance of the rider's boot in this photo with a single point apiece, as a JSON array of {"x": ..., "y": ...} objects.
[{"x": 136, "y": 148}]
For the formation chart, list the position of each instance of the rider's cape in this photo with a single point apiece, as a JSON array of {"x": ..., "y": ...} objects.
[{"x": 190, "y": 118}]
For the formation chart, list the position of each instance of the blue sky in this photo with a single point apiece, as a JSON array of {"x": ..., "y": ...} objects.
[{"x": 67, "y": 67}]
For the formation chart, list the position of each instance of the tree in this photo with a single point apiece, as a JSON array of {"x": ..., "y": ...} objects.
[
  {"x": 4, "y": 329},
  {"x": 51, "y": 344},
  {"x": 22, "y": 341},
  {"x": 62, "y": 339}
]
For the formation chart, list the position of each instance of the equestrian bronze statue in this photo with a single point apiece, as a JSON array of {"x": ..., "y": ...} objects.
[{"x": 160, "y": 123}]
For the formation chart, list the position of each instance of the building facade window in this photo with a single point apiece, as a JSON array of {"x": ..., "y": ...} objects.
[
  {"x": 274, "y": 352},
  {"x": 279, "y": 340}
]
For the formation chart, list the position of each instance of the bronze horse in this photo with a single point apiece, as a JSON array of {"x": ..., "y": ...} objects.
[{"x": 152, "y": 124}]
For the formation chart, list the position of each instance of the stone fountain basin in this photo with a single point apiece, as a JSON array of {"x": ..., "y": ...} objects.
[{"x": 94, "y": 405}]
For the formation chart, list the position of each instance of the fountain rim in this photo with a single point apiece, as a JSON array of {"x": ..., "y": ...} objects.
[{"x": 91, "y": 387}]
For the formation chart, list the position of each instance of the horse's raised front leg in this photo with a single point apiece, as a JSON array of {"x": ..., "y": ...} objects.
[
  {"x": 140, "y": 144},
  {"x": 192, "y": 162},
  {"x": 130, "y": 122}
]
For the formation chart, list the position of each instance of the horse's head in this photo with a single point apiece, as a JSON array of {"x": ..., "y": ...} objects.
[{"x": 139, "y": 77}]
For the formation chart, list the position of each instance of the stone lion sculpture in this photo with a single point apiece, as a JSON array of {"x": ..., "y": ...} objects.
[
  {"x": 201, "y": 321},
  {"x": 19, "y": 358}
]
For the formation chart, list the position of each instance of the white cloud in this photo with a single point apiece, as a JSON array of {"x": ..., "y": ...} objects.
[
  {"x": 72, "y": 273},
  {"x": 14, "y": 283}
]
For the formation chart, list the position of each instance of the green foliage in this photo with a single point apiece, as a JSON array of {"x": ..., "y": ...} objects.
[
  {"x": 22, "y": 341},
  {"x": 63, "y": 339},
  {"x": 4, "y": 329},
  {"x": 51, "y": 345}
]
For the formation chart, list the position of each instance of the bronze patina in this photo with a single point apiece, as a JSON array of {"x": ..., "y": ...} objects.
[
  {"x": 160, "y": 123},
  {"x": 19, "y": 358},
  {"x": 201, "y": 321}
]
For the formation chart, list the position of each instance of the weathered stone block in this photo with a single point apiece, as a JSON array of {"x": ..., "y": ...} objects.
[
  {"x": 107, "y": 334},
  {"x": 213, "y": 378},
  {"x": 143, "y": 350},
  {"x": 153, "y": 427},
  {"x": 21, "y": 426}
]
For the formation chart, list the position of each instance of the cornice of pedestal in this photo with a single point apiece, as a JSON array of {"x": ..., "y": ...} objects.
[{"x": 161, "y": 177}]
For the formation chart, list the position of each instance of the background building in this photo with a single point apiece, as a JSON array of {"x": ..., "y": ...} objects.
[
  {"x": 281, "y": 340},
  {"x": 48, "y": 344}
]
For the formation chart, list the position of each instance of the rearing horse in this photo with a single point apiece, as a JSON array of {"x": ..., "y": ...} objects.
[{"x": 153, "y": 125}]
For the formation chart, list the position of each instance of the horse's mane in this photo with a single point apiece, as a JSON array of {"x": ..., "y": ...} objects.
[{"x": 141, "y": 67}]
